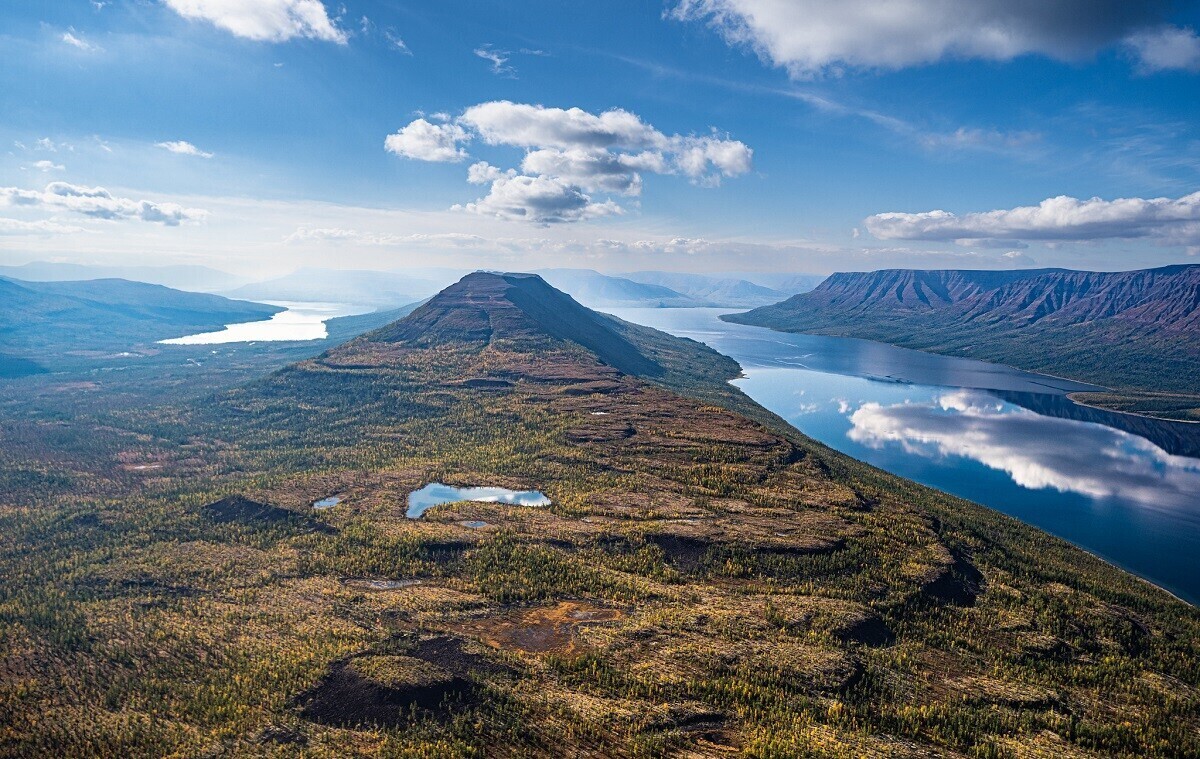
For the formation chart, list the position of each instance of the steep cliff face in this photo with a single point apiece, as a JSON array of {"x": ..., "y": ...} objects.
[
  {"x": 909, "y": 289},
  {"x": 1166, "y": 298},
  {"x": 1132, "y": 329}
]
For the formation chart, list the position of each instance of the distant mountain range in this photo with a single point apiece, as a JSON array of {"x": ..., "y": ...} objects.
[
  {"x": 381, "y": 289},
  {"x": 390, "y": 289},
  {"x": 182, "y": 277},
  {"x": 712, "y": 290},
  {"x": 42, "y": 319},
  {"x": 660, "y": 289},
  {"x": 1133, "y": 331},
  {"x": 598, "y": 290}
]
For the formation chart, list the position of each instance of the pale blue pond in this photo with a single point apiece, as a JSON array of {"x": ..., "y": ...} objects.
[
  {"x": 435, "y": 494},
  {"x": 327, "y": 503},
  {"x": 1124, "y": 487}
]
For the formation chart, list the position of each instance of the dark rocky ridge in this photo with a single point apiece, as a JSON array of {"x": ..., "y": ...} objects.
[
  {"x": 1132, "y": 330},
  {"x": 1166, "y": 299}
]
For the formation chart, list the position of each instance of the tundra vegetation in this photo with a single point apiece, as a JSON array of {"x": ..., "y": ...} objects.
[{"x": 706, "y": 582}]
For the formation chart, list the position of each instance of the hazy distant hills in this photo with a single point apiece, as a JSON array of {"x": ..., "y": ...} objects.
[
  {"x": 1135, "y": 330},
  {"x": 42, "y": 319},
  {"x": 389, "y": 289},
  {"x": 600, "y": 290},
  {"x": 661, "y": 289},
  {"x": 381, "y": 289},
  {"x": 182, "y": 277},
  {"x": 712, "y": 290}
]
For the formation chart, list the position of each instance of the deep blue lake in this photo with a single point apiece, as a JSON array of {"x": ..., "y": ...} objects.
[{"x": 1123, "y": 487}]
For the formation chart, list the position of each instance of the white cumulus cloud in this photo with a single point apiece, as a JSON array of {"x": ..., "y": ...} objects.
[
  {"x": 182, "y": 147},
  {"x": 571, "y": 156},
  {"x": 264, "y": 20},
  {"x": 1174, "y": 221},
  {"x": 99, "y": 203},
  {"x": 539, "y": 199},
  {"x": 811, "y": 37},
  {"x": 424, "y": 141}
]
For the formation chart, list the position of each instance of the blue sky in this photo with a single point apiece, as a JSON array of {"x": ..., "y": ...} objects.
[{"x": 710, "y": 135}]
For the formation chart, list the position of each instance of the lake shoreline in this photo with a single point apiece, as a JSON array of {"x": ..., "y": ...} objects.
[{"x": 1070, "y": 395}]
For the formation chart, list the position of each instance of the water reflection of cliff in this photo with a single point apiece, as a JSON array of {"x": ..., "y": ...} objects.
[{"x": 1176, "y": 438}]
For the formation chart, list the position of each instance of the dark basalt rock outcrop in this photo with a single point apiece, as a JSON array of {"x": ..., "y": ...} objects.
[
  {"x": 241, "y": 510},
  {"x": 385, "y": 687},
  {"x": 958, "y": 583}
]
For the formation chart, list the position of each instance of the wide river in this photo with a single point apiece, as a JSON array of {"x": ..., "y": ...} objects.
[{"x": 1123, "y": 487}]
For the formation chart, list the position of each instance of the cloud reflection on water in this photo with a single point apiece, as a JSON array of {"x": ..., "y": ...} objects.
[{"x": 1038, "y": 452}]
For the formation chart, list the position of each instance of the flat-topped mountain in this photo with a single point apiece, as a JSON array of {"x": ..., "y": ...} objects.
[
  {"x": 1133, "y": 331},
  {"x": 518, "y": 310},
  {"x": 1163, "y": 299},
  {"x": 522, "y": 315}
]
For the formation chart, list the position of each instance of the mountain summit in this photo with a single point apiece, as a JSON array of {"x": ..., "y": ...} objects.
[
  {"x": 494, "y": 329},
  {"x": 519, "y": 312}
]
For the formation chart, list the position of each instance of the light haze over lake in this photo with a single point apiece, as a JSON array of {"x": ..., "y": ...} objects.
[{"x": 301, "y": 321}]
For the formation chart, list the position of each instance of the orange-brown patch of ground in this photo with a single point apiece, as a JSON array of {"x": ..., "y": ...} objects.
[{"x": 543, "y": 630}]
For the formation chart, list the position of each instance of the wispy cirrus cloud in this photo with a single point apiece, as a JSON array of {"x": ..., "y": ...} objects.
[
  {"x": 498, "y": 58},
  {"x": 183, "y": 147},
  {"x": 76, "y": 40},
  {"x": 357, "y": 237},
  {"x": 40, "y": 227}
]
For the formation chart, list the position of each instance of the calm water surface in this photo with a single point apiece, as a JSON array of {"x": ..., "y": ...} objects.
[
  {"x": 301, "y": 321},
  {"x": 1123, "y": 487},
  {"x": 435, "y": 494}
]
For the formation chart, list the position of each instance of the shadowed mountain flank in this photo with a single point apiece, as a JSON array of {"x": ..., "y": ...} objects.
[{"x": 1135, "y": 331}]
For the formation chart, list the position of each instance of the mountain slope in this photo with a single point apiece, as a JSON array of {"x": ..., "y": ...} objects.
[
  {"x": 701, "y": 584},
  {"x": 1135, "y": 331},
  {"x": 182, "y": 277},
  {"x": 43, "y": 320},
  {"x": 598, "y": 290},
  {"x": 107, "y": 304},
  {"x": 725, "y": 292}
]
